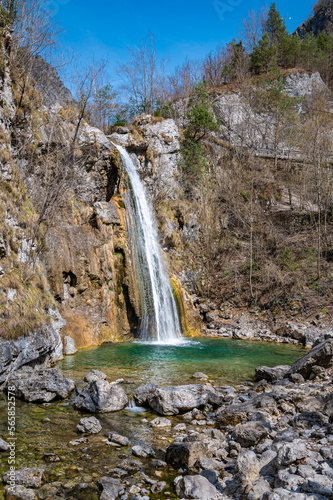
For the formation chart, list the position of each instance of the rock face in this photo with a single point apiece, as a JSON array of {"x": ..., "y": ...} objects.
[
  {"x": 101, "y": 396},
  {"x": 236, "y": 112},
  {"x": 40, "y": 386},
  {"x": 29, "y": 323},
  {"x": 49, "y": 83},
  {"x": 42, "y": 347},
  {"x": 171, "y": 400},
  {"x": 156, "y": 153},
  {"x": 322, "y": 20}
]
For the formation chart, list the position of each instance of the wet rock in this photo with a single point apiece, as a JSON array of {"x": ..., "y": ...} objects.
[
  {"x": 90, "y": 425},
  {"x": 250, "y": 433},
  {"x": 321, "y": 355},
  {"x": 171, "y": 400},
  {"x": 30, "y": 478},
  {"x": 142, "y": 392},
  {"x": 19, "y": 492},
  {"x": 143, "y": 451},
  {"x": 3, "y": 445},
  {"x": 118, "y": 439},
  {"x": 94, "y": 375},
  {"x": 161, "y": 422},
  {"x": 77, "y": 442},
  {"x": 185, "y": 454},
  {"x": 271, "y": 374},
  {"x": 40, "y": 386},
  {"x": 200, "y": 375},
  {"x": 101, "y": 396},
  {"x": 69, "y": 345},
  {"x": 195, "y": 487}
]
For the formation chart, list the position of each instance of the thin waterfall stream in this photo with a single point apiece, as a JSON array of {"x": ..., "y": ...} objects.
[{"x": 159, "y": 315}]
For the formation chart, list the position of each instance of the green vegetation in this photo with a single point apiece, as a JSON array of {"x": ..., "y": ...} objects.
[{"x": 200, "y": 122}]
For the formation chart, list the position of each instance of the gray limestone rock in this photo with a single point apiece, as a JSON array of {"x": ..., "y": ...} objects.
[
  {"x": 89, "y": 425},
  {"x": 101, "y": 396},
  {"x": 28, "y": 477},
  {"x": 195, "y": 487},
  {"x": 40, "y": 386}
]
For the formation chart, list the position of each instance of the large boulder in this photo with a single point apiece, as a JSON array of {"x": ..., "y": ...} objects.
[
  {"x": 40, "y": 386},
  {"x": 101, "y": 396},
  {"x": 271, "y": 374},
  {"x": 250, "y": 433},
  {"x": 174, "y": 399},
  {"x": 321, "y": 355},
  {"x": 185, "y": 453},
  {"x": 195, "y": 487}
]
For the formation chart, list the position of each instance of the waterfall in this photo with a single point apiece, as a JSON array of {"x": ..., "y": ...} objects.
[{"x": 159, "y": 316}]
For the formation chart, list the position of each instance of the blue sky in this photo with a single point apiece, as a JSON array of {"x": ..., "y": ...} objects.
[{"x": 182, "y": 28}]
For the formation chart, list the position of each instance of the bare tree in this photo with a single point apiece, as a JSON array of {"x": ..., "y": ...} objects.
[
  {"x": 86, "y": 84},
  {"x": 213, "y": 66},
  {"x": 253, "y": 27},
  {"x": 142, "y": 76}
]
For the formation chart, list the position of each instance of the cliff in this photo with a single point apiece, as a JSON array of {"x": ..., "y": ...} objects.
[{"x": 322, "y": 20}]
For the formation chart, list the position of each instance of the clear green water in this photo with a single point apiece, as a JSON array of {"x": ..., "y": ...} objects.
[{"x": 225, "y": 360}]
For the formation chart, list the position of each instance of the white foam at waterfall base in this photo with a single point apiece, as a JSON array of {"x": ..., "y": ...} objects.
[{"x": 159, "y": 316}]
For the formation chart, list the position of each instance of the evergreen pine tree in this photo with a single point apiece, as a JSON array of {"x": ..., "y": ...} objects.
[{"x": 275, "y": 25}]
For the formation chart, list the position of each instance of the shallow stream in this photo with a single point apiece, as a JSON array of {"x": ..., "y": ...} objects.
[{"x": 45, "y": 430}]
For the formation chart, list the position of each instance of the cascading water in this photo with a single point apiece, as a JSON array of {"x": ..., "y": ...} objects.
[{"x": 159, "y": 316}]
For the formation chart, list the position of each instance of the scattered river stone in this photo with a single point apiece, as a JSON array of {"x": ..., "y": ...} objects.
[
  {"x": 19, "y": 492},
  {"x": 161, "y": 422},
  {"x": 200, "y": 375},
  {"x": 30, "y": 478},
  {"x": 143, "y": 451},
  {"x": 89, "y": 425},
  {"x": 3, "y": 445},
  {"x": 118, "y": 439}
]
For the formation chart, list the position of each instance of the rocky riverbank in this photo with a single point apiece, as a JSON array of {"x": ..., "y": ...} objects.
[
  {"x": 254, "y": 325},
  {"x": 269, "y": 440}
]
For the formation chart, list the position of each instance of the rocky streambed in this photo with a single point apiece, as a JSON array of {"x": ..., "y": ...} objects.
[{"x": 269, "y": 440}]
